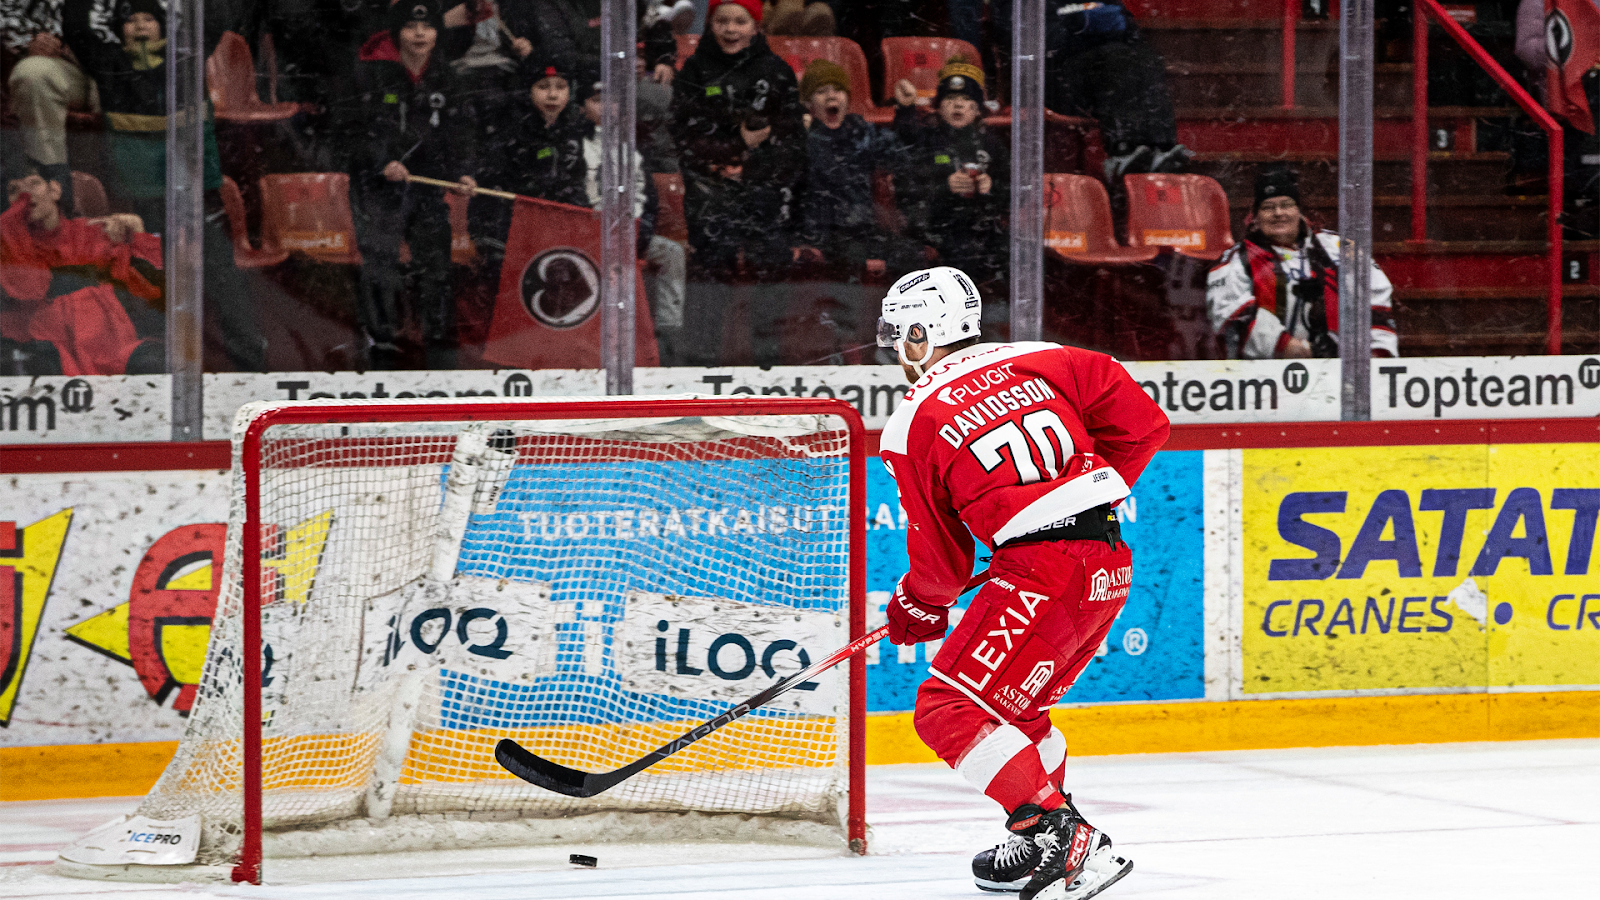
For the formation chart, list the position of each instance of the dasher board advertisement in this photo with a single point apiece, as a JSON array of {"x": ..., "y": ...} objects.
[{"x": 1446, "y": 568}]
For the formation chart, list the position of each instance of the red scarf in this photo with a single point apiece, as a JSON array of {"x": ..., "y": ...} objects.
[{"x": 1271, "y": 289}]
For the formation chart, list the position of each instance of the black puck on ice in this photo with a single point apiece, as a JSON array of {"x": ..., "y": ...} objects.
[{"x": 578, "y": 859}]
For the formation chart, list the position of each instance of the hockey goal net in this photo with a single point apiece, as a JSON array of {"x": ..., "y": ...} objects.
[{"x": 408, "y": 582}]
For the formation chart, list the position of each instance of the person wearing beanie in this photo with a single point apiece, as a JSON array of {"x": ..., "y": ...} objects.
[
  {"x": 839, "y": 229},
  {"x": 736, "y": 121},
  {"x": 1275, "y": 294},
  {"x": 960, "y": 77},
  {"x": 407, "y": 115},
  {"x": 131, "y": 75},
  {"x": 955, "y": 192}
]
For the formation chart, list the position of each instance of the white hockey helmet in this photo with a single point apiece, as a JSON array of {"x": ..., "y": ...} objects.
[{"x": 942, "y": 300}]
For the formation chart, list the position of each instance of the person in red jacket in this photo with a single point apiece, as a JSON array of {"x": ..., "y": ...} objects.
[
  {"x": 1025, "y": 447},
  {"x": 66, "y": 286}
]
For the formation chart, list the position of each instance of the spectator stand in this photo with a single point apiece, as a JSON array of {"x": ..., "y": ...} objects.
[{"x": 1476, "y": 283}]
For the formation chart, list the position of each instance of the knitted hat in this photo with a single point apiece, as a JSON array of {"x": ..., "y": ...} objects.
[
  {"x": 959, "y": 76},
  {"x": 125, "y": 9},
  {"x": 536, "y": 67},
  {"x": 753, "y": 7},
  {"x": 405, "y": 12},
  {"x": 1278, "y": 181},
  {"x": 821, "y": 72}
]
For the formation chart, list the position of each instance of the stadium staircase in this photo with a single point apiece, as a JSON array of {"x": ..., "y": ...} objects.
[{"x": 1477, "y": 285}]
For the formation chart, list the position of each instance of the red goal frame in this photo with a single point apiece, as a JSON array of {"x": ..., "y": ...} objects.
[{"x": 248, "y": 868}]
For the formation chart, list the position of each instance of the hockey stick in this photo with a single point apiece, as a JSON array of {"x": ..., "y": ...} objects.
[{"x": 537, "y": 770}]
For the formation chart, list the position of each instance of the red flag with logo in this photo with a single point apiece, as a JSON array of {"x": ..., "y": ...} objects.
[
  {"x": 1572, "y": 48},
  {"x": 547, "y": 312}
]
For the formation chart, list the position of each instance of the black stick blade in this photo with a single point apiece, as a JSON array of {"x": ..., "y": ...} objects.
[{"x": 544, "y": 773}]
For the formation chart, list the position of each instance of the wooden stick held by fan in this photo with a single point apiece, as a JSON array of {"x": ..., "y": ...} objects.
[{"x": 456, "y": 186}]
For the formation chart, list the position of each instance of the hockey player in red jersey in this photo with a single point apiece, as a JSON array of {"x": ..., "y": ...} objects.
[{"x": 1026, "y": 447}]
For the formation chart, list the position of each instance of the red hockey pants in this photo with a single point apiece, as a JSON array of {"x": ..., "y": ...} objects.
[{"x": 1029, "y": 632}]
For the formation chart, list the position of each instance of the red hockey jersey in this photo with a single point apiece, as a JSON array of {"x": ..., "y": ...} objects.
[{"x": 1002, "y": 440}]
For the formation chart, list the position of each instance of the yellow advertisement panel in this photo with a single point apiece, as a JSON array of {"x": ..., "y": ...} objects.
[{"x": 1421, "y": 567}]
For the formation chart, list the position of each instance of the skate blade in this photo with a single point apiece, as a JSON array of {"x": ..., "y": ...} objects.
[
  {"x": 1001, "y": 887},
  {"x": 1088, "y": 884}
]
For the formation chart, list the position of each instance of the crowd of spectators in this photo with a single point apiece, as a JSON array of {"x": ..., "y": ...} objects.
[{"x": 781, "y": 183}]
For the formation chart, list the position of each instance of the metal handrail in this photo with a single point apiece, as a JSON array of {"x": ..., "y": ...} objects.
[{"x": 1419, "y": 146}]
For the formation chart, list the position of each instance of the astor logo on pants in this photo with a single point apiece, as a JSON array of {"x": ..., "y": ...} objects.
[{"x": 1110, "y": 585}]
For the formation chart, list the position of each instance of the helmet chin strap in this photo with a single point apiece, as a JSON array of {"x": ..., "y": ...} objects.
[{"x": 916, "y": 365}]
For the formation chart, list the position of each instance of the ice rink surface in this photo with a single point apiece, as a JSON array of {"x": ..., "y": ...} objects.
[{"x": 1493, "y": 820}]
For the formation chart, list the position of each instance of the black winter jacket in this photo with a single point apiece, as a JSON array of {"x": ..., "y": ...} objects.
[
  {"x": 133, "y": 96},
  {"x": 569, "y": 31},
  {"x": 840, "y": 164},
  {"x": 941, "y": 217},
  {"x": 428, "y": 125},
  {"x": 716, "y": 91},
  {"x": 533, "y": 159}
]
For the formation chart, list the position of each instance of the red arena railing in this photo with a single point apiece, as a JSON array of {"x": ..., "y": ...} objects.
[{"x": 1419, "y": 146}]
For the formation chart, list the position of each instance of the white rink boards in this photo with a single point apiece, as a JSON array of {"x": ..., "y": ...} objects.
[{"x": 1491, "y": 820}]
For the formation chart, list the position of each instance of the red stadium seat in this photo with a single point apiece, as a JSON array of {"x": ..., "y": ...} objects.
[
  {"x": 1188, "y": 213},
  {"x": 918, "y": 60},
  {"x": 309, "y": 212},
  {"x": 670, "y": 222},
  {"x": 231, "y": 81},
  {"x": 89, "y": 196},
  {"x": 799, "y": 52},
  {"x": 1077, "y": 222},
  {"x": 244, "y": 255},
  {"x": 686, "y": 45}
]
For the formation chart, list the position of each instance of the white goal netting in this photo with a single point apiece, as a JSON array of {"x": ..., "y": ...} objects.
[{"x": 591, "y": 588}]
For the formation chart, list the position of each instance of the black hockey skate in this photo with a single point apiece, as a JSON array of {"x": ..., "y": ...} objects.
[
  {"x": 1076, "y": 861},
  {"x": 1009, "y": 866}
]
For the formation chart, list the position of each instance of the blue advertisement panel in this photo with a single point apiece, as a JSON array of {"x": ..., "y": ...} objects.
[
  {"x": 1156, "y": 648},
  {"x": 665, "y": 589}
]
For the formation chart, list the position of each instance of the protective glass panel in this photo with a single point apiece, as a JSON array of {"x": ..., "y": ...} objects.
[
  {"x": 406, "y": 186},
  {"x": 1179, "y": 137},
  {"x": 83, "y": 147}
]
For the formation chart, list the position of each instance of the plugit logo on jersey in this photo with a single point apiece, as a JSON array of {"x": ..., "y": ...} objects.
[{"x": 1376, "y": 568}]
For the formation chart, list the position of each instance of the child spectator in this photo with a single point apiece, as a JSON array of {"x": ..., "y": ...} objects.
[
  {"x": 843, "y": 151},
  {"x": 408, "y": 115},
  {"x": 798, "y": 17},
  {"x": 537, "y": 152},
  {"x": 131, "y": 75},
  {"x": 664, "y": 278},
  {"x": 67, "y": 284},
  {"x": 955, "y": 195},
  {"x": 741, "y": 146}
]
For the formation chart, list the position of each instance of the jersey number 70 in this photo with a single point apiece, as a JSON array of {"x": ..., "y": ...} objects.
[{"x": 1034, "y": 430}]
